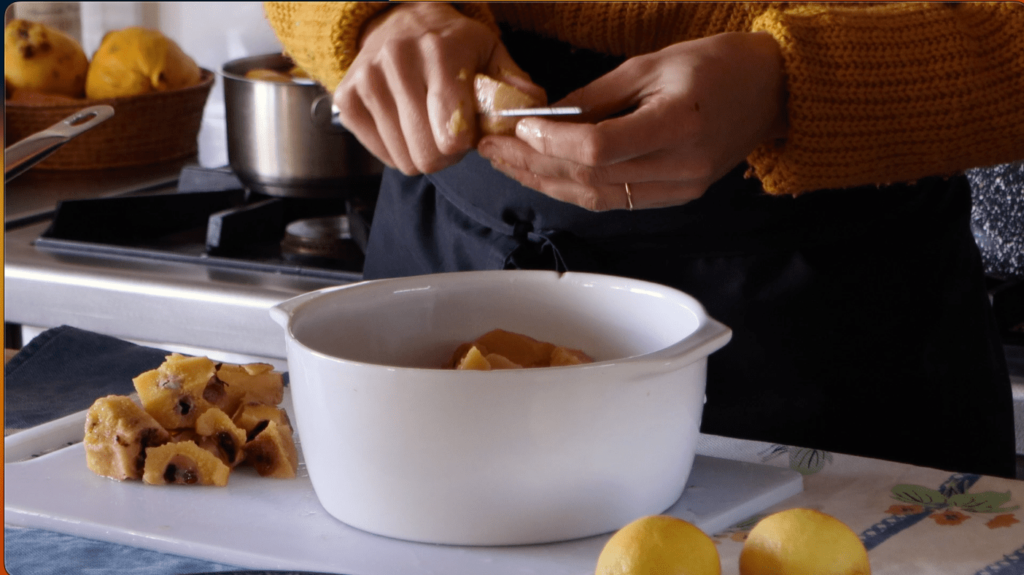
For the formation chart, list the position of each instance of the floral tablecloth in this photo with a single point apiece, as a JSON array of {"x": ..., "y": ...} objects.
[{"x": 913, "y": 520}]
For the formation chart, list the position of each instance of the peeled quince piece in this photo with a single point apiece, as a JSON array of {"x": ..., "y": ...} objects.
[
  {"x": 184, "y": 463},
  {"x": 42, "y": 59},
  {"x": 493, "y": 95},
  {"x": 272, "y": 452},
  {"x": 253, "y": 417},
  {"x": 250, "y": 382},
  {"x": 136, "y": 61},
  {"x": 216, "y": 433},
  {"x": 500, "y": 349},
  {"x": 117, "y": 434},
  {"x": 476, "y": 360},
  {"x": 174, "y": 393}
]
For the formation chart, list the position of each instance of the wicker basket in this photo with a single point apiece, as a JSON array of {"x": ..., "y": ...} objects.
[{"x": 146, "y": 129}]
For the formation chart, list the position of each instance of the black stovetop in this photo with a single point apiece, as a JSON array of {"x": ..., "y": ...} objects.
[{"x": 210, "y": 218}]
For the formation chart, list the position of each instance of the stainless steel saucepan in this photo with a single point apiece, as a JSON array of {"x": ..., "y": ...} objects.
[
  {"x": 281, "y": 140},
  {"x": 24, "y": 154}
]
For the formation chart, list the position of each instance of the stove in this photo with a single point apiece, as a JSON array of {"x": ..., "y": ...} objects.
[
  {"x": 179, "y": 256},
  {"x": 211, "y": 219}
]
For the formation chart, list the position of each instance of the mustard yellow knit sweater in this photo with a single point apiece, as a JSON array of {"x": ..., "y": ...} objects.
[{"x": 877, "y": 93}]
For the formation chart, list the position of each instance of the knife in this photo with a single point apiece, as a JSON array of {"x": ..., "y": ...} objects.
[
  {"x": 544, "y": 111},
  {"x": 320, "y": 105}
]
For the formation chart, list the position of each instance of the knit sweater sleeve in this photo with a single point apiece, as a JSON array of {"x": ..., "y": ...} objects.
[
  {"x": 894, "y": 92},
  {"x": 323, "y": 37}
]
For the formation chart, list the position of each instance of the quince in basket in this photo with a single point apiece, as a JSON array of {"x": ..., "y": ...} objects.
[
  {"x": 136, "y": 61},
  {"x": 41, "y": 59},
  {"x": 182, "y": 432}
]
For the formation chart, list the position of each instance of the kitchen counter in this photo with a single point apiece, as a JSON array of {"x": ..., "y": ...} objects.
[
  {"x": 911, "y": 519},
  {"x": 180, "y": 306},
  {"x": 143, "y": 300}
]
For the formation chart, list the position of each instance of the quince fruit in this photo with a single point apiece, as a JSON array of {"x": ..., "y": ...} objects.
[
  {"x": 42, "y": 59},
  {"x": 135, "y": 61},
  {"x": 494, "y": 95}
]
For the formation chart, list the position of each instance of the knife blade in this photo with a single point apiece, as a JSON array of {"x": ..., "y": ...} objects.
[
  {"x": 543, "y": 111},
  {"x": 510, "y": 113}
]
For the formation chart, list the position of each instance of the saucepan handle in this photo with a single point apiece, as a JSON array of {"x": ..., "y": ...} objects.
[
  {"x": 26, "y": 153},
  {"x": 324, "y": 115}
]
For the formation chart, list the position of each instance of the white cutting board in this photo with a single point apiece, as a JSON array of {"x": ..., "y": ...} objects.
[{"x": 263, "y": 523}]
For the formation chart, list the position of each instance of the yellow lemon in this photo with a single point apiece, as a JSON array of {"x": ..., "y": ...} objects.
[
  {"x": 803, "y": 542},
  {"x": 659, "y": 545}
]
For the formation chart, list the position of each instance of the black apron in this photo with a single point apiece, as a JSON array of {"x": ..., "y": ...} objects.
[{"x": 860, "y": 318}]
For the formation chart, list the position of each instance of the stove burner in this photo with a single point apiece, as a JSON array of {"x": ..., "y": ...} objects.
[
  {"x": 212, "y": 221},
  {"x": 325, "y": 237}
]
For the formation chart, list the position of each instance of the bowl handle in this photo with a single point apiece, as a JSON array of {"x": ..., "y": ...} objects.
[{"x": 711, "y": 336}]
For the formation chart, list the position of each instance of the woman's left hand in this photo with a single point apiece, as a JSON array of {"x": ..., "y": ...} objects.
[{"x": 701, "y": 107}]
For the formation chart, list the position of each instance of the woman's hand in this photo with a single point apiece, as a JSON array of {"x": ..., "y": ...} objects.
[
  {"x": 701, "y": 107},
  {"x": 408, "y": 96}
]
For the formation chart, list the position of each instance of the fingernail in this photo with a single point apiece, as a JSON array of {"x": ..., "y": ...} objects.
[
  {"x": 501, "y": 167},
  {"x": 485, "y": 149},
  {"x": 526, "y": 129}
]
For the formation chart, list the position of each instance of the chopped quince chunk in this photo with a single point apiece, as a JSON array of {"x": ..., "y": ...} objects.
[
  {"x": 252, "y": 417},
  {"x": 272, "y": 452},
  {"x": 474, "y": 360},
  {"x": 500, "y": 349},
  {"x": 117, "y": 433},
  {"x": 564, "y": 356},
  {"x": 174, "y": 392},
  {"x": 256, "y": 380},
  {"x": 216, "y": 433},
  {"x": 184, "y": 463}
]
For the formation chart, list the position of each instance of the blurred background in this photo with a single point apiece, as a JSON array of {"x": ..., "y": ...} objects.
[{"x": 212, "y": 33}]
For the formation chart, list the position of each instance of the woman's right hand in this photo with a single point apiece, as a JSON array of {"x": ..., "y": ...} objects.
[{"x": 408, "y": 96}]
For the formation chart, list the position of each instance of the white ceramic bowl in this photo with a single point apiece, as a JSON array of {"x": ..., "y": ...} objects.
[{"x": 397, "y": 447}]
